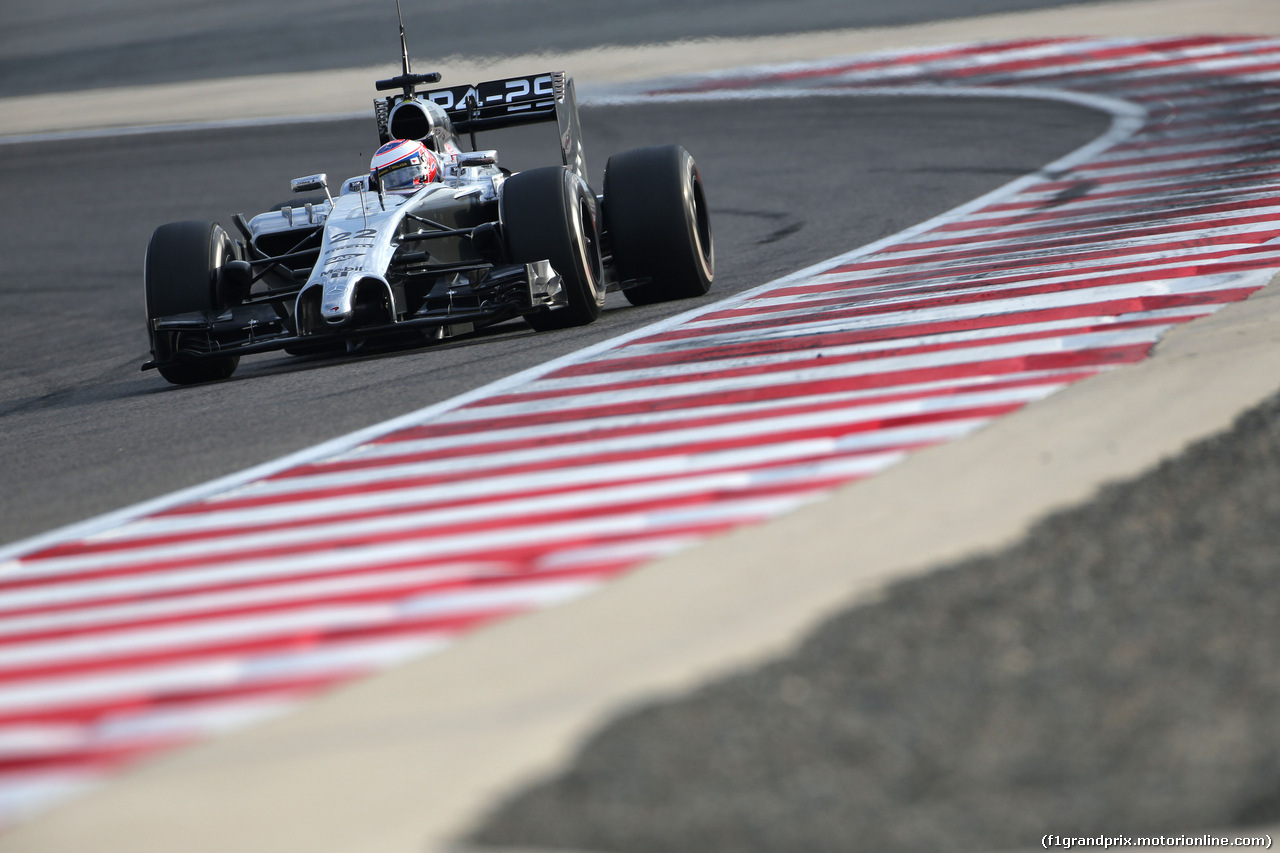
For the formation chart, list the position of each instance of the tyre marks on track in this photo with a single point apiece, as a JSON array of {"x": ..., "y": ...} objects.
[{"x": 203, "y": 613}]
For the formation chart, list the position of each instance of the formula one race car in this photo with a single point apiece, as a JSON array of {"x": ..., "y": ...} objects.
[{"x": 433, "y": 242}]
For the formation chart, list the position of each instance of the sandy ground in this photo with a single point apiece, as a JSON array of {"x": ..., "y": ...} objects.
[
  {"x": 416, "y": 782},
  {"x": 1116, "y": 671}
]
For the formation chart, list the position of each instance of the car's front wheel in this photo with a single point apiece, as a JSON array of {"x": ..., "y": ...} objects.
[
  {"x": 182, "y": 275},
  {"x": 550, "y": 214}
]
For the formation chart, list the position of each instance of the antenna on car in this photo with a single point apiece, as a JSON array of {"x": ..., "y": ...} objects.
[
  {"x": 407, "y": 79},
  {"x": 404, "y": 45}
]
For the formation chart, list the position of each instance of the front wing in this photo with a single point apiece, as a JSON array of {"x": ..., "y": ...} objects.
[{"x": 267, "y": 322}]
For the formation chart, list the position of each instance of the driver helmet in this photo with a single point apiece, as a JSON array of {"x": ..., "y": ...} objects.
[{"x": 403, "y": 164}]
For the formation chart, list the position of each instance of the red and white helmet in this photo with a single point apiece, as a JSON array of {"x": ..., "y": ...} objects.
[{"x": 403, "y": 164}]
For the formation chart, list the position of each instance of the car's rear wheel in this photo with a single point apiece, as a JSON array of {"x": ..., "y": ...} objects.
[
  {"x": 550, "y": 214},
  {"x": 659, "y": 226},
  {"x": 182, "y": 272}
]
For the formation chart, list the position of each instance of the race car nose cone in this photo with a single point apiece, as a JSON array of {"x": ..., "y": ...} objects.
[{"x": 338, "y": 305}]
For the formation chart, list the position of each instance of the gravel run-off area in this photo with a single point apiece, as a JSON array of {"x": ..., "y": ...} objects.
[{"x": 1117, "y": 671}]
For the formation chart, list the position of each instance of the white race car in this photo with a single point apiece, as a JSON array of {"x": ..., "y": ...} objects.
[{"x": 434, "y": 241}]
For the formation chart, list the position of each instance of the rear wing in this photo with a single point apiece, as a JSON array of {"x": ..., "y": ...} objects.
[
  {"x": 502, "y": 103},
  {"x": 513, "y": 101}
]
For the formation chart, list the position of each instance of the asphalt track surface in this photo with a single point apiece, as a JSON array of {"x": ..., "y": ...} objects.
[
  {"x": 84, "y": 432},
  {"x": 68, "y": 45}
]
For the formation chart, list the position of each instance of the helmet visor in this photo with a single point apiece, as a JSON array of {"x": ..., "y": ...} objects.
[{"x": 404, "y": 175}]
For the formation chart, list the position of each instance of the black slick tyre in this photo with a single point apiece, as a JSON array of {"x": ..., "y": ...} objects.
[
  {"x": 181, "y": 276},
  {"x": 659, "y": 226},
  {"x": 550, "y": 214}
]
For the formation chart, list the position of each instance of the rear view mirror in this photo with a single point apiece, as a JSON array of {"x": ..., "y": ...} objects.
[
  {"x": 310, "y": 182},
  {"x": 478, "y": 158}
]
